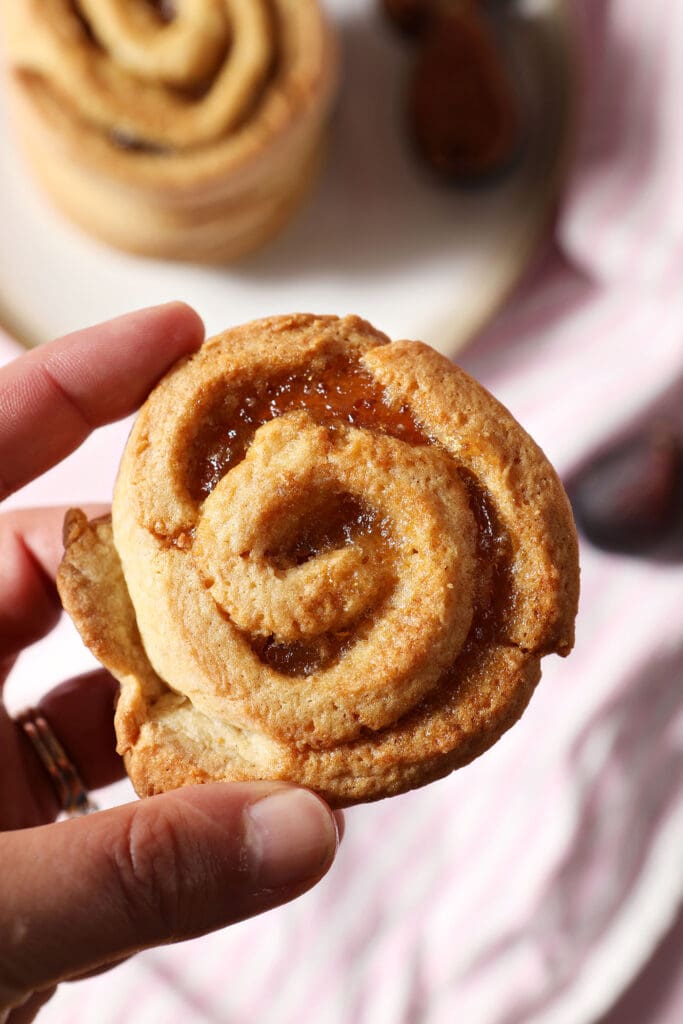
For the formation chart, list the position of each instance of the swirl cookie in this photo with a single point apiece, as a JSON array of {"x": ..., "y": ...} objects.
[
  {"x": 187, "y": 130},
  {"x": 332, "y": 559}
]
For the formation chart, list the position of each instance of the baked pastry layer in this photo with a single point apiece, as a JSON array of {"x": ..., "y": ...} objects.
[
  {"x": 333, "y": 559},
  {"x": 192, "y": 138}
]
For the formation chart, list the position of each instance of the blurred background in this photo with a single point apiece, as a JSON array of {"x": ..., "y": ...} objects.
[{"x": 542, "y": 883}]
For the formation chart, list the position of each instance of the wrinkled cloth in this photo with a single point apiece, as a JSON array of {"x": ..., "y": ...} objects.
[{"x": 532, "y": 886}]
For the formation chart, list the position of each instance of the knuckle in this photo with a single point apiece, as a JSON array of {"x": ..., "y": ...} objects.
[{"x": 157, "y": 872}]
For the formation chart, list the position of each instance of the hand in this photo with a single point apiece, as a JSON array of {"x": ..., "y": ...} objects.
[{"x": 83, "y": 894}]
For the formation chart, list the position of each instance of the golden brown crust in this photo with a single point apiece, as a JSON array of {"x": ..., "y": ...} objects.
[
  {"x": 356, "y": 606},
  {"x": 530, "y": 499},
  {"x": 190, "y": 140}
]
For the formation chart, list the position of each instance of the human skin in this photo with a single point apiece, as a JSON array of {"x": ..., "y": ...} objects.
[{"x": 79, "y": 896}]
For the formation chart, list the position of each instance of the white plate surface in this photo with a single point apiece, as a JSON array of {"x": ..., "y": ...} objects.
[{"x": 377, "y": 237}]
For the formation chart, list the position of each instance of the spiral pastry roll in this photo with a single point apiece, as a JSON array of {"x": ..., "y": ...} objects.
[
  {"x": 332, "y": 559},
  {"x": 182, "y": 129}
]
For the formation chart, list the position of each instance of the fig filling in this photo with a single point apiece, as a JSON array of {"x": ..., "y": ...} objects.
[
  {"x": 165, "y": 10},
  {"x": 337, "y": 520},
  {"x": 299, "y": 658},
  {"x": 339, "y": 391},
  {"x": 494, "y": 603},
  {"x": 334, "y": 392}
]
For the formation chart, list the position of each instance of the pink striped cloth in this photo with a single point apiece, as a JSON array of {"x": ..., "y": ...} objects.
[{"x": 533, "y": 886}]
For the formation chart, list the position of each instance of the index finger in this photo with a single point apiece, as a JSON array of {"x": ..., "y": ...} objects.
[{"x": 53, "y": 397}]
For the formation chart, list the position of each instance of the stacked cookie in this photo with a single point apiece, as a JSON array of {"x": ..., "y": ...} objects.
[{"x": 187, "y": 131}]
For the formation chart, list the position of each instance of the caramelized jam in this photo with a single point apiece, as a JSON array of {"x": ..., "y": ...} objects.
[
  {"x": 84, "y": 24},
  {"x": 302, "y": 658},
  {"x": 493, "y": 603},
  {"x": 332, "y": 392},
  {"x": 335, "y": 521},
  {"x": 336, "y": 391},
  {"x": 131, "y": 144},
  {"x": 165, "y": 10}
]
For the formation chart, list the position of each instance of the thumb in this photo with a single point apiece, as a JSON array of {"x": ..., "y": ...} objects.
[{"x": 88, "y": 891}]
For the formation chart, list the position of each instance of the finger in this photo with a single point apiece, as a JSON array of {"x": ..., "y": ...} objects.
[
  {"x": 88, "y": 891},
  {"x": 28, "y": 1010},
  {"x": 31, "y": 548},
  {"x": 80, "y": 712},
  {"x": 54, "y": 396}
]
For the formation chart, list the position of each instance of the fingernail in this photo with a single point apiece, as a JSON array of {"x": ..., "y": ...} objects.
[{"x": 291, "y": 837}]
